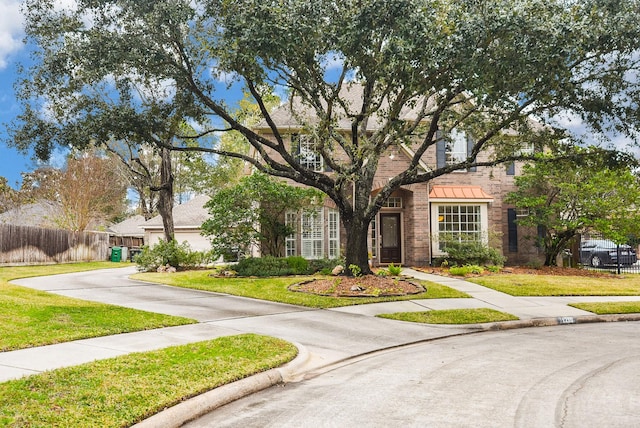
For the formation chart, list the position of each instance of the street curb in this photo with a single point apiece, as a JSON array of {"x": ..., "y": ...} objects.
[
  {"x": 195, "y": 407},
  {"x": 554, "y": 321}
]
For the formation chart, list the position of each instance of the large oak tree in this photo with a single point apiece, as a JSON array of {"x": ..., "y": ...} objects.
[{"x": 484, "y": 67}]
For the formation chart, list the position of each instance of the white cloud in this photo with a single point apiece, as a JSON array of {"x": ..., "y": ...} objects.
[{"x": 11, "y": 30}]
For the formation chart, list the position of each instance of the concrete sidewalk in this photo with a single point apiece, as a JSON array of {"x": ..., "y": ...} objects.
[{"x": 525, "y": 308}]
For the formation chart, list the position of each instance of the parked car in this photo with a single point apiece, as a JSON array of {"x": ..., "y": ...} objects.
[{"x": 602, "y": 252}]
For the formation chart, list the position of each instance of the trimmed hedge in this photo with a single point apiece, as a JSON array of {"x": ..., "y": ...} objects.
[{"x": 282, "y": 266}]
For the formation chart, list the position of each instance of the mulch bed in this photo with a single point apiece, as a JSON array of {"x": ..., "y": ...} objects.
[
  {"x": 381, "y": 286},
  {"x": 363, "y": 286},
  {"x": 543, "y": 270}
]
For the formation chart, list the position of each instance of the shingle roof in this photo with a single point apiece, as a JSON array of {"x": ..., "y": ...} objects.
[
  {"x": 459, "y": 192},
  {"x": 189, "y": 215},
  {"x": 39, "y": 214},
  {"x": 294, "y": 114},
  {"x": 128, "y": 227}
]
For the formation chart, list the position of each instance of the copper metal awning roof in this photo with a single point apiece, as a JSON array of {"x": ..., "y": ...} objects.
[{"x": 475, "y": 193}]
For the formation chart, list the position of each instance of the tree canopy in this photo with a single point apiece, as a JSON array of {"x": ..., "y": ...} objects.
[
  {"x": 126, "y": 69},
  {"x": 590, "y": 193}
]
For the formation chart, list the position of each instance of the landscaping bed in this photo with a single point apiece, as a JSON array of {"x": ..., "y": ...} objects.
[
  {"x": 361, "y": 286},
  {"x": 525, "y": 270}
]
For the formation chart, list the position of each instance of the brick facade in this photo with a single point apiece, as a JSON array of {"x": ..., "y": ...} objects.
[{"x": 416, "y": 237}]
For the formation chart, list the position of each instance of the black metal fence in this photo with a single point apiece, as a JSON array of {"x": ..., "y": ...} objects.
[{"x": 594, "y": 252}]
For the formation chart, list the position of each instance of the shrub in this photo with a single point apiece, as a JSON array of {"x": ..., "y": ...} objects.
[
  {"x": 263, "y": 266},
  {"x": 493, "y": 268},
  {"x": 466, "y": 270},
  {"x": 179, "y": 256},
  {"x": 472, "y": 253},
  {"x": 298, "y": 265},
  {"x": 279, "y": 266},
  {"x": 355, "y": 270},
  {"x": 394, "y": 270},
  {"x": 391, "y": 270}
]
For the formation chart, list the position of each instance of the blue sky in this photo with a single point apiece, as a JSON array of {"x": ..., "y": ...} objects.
[{"x": 12, "y": 51}]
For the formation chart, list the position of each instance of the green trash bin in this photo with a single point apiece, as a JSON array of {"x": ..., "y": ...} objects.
[{"x": 116, "y": 254}]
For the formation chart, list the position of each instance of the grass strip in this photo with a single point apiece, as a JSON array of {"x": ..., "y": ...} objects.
[
  {"x": 34, "y": 318},
  {"x": 604, "y": 308},
  {"x": 125, "y": 390},
  {"x": 452, "y": 316},
  {"x": 552, "y": 285},
  {"x": 275, "y": 289}
]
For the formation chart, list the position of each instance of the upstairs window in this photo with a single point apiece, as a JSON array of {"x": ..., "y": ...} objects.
[
  {"x": 453, "y": 148},
  {"x": 305, "y": 152}
]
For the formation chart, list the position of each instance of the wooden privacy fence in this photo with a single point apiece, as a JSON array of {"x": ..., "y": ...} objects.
[{"x": 34, "y": 245}]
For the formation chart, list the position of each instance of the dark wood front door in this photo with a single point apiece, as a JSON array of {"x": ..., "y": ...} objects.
[{"x": 390, "y": 239}]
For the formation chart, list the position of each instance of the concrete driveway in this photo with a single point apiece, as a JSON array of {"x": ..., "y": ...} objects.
[{"x": 328, "y": 335}]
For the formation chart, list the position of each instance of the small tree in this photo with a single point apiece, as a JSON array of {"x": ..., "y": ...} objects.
[
  {"x": 253, "y": 213},
  {"x": 86, "y": 190},
  {"x": 8, "y": 196},
  {"x": 568, "y": 197}
]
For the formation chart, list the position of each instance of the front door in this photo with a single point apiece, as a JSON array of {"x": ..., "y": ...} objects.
[{"x": 390, "y": 243}]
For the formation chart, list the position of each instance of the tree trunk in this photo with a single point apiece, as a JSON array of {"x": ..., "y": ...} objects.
[
  {"x": 165, "y": 192},
  {"x": 357, "y": 251},
  {"x": 356, "y": 225},
  {"x": 554, "y": 245}
]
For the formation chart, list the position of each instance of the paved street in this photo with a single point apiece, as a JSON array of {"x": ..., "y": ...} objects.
[{"x": 564, "y": 376}]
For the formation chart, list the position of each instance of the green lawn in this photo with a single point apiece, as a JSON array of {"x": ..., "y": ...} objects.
[
  {"x": 452, "y": 316},
  {"x": 602, "y": 308},
  {"x": 275, "y": 289},
  {"x": 125, "y": 390},
  {"x": 35, "y": 318},
  {"x": 551, "y": 285}
]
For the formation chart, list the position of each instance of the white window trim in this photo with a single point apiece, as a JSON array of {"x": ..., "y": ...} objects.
[
  {"x": 291, "y": 219},
  {"x": 313, "y": 239},
  {"x": 435, "y": 232},
  {"x": 456, "y": 149},
  {"x": 374, "y": 237},
  {"x": 333, "y": 230},
  {"x": 308, "y": 157},
  {"x": 393, "y": 202}
]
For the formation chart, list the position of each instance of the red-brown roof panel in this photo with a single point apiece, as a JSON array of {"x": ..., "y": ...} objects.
[{"x": 458, "y": 192}]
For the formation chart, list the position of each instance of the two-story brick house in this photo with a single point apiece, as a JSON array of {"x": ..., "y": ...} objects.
[{"x": 465, "y": 204}]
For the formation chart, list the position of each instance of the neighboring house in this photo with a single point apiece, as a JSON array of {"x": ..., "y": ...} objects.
[
  {"x": 187, "y": 219},
  {"x": 39, "y": 214},
  {"x": 127, "y": 233},
  {"x": 408, "y": 228}
]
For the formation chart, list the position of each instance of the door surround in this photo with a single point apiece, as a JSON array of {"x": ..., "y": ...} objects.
[{"x": 391, "y": 242}]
